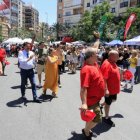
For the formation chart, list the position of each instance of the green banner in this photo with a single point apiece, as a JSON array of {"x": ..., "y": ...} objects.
[
  {"x": 102, "y": 25},
  {"x": 120, "y": 33}
]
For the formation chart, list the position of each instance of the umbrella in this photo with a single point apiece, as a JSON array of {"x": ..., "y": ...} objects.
[{"x": 115, "y": 42}]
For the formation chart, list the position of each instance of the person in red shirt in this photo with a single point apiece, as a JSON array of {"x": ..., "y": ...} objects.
[
  {"x": 92, "y": 89},
  {"x": 1, "y": 72},
  {"x": 2, "y": 59},
  {"x": 111, "y": 74}
]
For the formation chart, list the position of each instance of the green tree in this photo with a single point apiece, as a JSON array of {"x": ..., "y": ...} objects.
[{"x": 58, "y": 28}]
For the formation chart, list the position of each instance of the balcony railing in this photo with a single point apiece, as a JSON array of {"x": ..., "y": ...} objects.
[{"x": 77, "y": 5}]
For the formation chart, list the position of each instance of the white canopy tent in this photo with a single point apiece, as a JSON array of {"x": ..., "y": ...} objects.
[
  {"x": 78, "y": 43},
  {"x": 58, "y": 42},
  {"x": 14, "y": 40},
  {"x": 133, "y": 41},
  {"x": 29, "y": 40}
]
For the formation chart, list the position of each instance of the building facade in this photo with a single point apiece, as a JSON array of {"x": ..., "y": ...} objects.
[
  {"x": 118, "y": 7},
  {"x": 69, "y": 11},
  {"x": 4, "y": 27},
  {"x": 60, "y": 11},
  {"x": 31, "y": 18}
]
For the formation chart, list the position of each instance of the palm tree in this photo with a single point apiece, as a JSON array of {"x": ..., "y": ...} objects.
[{"x": 57, "y": 28}]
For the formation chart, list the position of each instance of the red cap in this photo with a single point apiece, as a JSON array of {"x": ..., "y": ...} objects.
[
  {"x": 88, "y": 115},
  {"x": 127, "y": 75}
]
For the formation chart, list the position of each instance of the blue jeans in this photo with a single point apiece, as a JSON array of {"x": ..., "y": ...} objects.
[{"x": 25, "y": 74}]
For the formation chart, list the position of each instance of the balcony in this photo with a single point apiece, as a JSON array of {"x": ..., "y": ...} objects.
[
  {"x": 74, "y": 6},
  {"x": 133, "y": 3}
]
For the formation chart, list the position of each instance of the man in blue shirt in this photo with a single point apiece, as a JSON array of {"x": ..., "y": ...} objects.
[{"x": 26, "y": 64}]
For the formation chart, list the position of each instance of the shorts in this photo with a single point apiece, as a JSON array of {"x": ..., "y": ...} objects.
[
  {"x": 40, "y": 68},
  {"x": 110, "y": 99},
  {"x": 96, "y": 109}
]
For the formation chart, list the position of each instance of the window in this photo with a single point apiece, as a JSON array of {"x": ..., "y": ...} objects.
[
  {"x": 59, "y": 15},
  {"x": 94, "y": 1},
  {"x": 68, "y": 13},
  {"x": 60, "y": 7},
  {"x": 113, "y": 10},
  {"x": 67, "y": 21},
  {"x": 124, "y": 4},
  {"x": 88, "y": 4}
]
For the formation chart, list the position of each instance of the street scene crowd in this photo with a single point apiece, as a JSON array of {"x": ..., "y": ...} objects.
[{"x": 101, "y": 72}]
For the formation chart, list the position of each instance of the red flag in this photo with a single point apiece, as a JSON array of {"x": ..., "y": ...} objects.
[
  {"x": 5, "y": 5},
  {"x": 129, "y": 22}
]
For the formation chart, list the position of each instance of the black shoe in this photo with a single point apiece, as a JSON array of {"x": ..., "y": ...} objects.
[
  {"x": 109, "y": 122},
  {"x": 36, "y": 100},
  {"x": 87, "y": 137},
  {"x": 24, "y": 98}
]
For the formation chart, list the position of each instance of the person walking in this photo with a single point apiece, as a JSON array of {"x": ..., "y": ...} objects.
[
  {"x": 41, "y": 56},
  {"x": 133, "y": 63},
  {"x": 26, "y": 60},
  {"x": 137, "y": 74},
  {"x": 111, "y": 74},
  {"x": 3, "y": 59},
  {"x": 51, "y": 76},
  {"x": 58, "y": 53},
  {"x": 92, "y": 89},
  {"x": 1, "y": 72}
]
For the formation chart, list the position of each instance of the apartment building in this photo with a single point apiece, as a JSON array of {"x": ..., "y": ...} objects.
[
  {"x": 21, "y": 14},
  {"x": 4, "y": 27},
  {"x": 118, "y": 7},
  {"x": 69, "y": 11},
  {"x": 60, "y": 11},
  {"x": 31, "y": 18}
]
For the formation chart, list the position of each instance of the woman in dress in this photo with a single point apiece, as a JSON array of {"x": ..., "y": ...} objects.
[
  {"x": 51, "y": 76},
  {"x": 74, "y": 59},
  {"x": 133, "y": 63}
]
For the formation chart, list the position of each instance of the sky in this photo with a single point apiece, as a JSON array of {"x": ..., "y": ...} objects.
[{"x": 47, "y": 9}]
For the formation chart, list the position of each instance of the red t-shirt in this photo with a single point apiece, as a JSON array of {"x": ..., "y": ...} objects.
[
  {"x": 111, "y": 74},
  {"x": 92, "y": 79},
  {"x": 2, "y": 54}
]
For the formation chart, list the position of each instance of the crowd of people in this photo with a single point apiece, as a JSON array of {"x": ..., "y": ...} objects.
[{"x": 100, "y": 67}]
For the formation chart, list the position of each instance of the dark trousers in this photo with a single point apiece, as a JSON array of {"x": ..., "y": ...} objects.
[
  {"x": 59, "y": 72},
  {"x": 3, "y": 67},
  {"x": 25, "y": 74},
  {"x": 137, "y": 74}
]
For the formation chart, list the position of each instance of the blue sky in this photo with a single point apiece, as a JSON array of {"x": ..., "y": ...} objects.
[{"x": 47, "y": 9}]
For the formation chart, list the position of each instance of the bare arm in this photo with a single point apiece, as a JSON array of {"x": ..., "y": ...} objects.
[
  {"x": 49, "y": 59},
  {"x": 97, "y": 43},
  {"x": 83, "y": 94},
  {"x": 1, "y": 72}
]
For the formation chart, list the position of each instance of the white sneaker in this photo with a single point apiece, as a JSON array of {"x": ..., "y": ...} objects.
[{"x": 39, "y": 86}]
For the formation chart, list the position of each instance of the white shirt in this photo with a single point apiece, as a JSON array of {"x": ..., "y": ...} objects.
[{"x": 22, "y": 58}]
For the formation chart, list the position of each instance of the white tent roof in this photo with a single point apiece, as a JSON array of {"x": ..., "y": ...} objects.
[
  {"x": 133, "y": 41},
  {"x": 14, "y": 40},
  {"x": 29, "y": 40}
]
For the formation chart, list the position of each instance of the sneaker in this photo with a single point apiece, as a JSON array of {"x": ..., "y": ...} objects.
[
  {"x": 59, "y": 85},
  {"x": 36, "y": 100},
  {"x": 109, "y": 122},
  {"x": 131, "y": 88},
  {"x": 24, "y": 98},
  {"x": 125, "y": 87},
  {"x": 39, "y": 86},
  {"x": 87, "y": 137},
  {"x": 54, "y": 95}
]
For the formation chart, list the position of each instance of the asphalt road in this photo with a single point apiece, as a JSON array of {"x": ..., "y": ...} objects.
[{"x": 59, "y": 119}]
